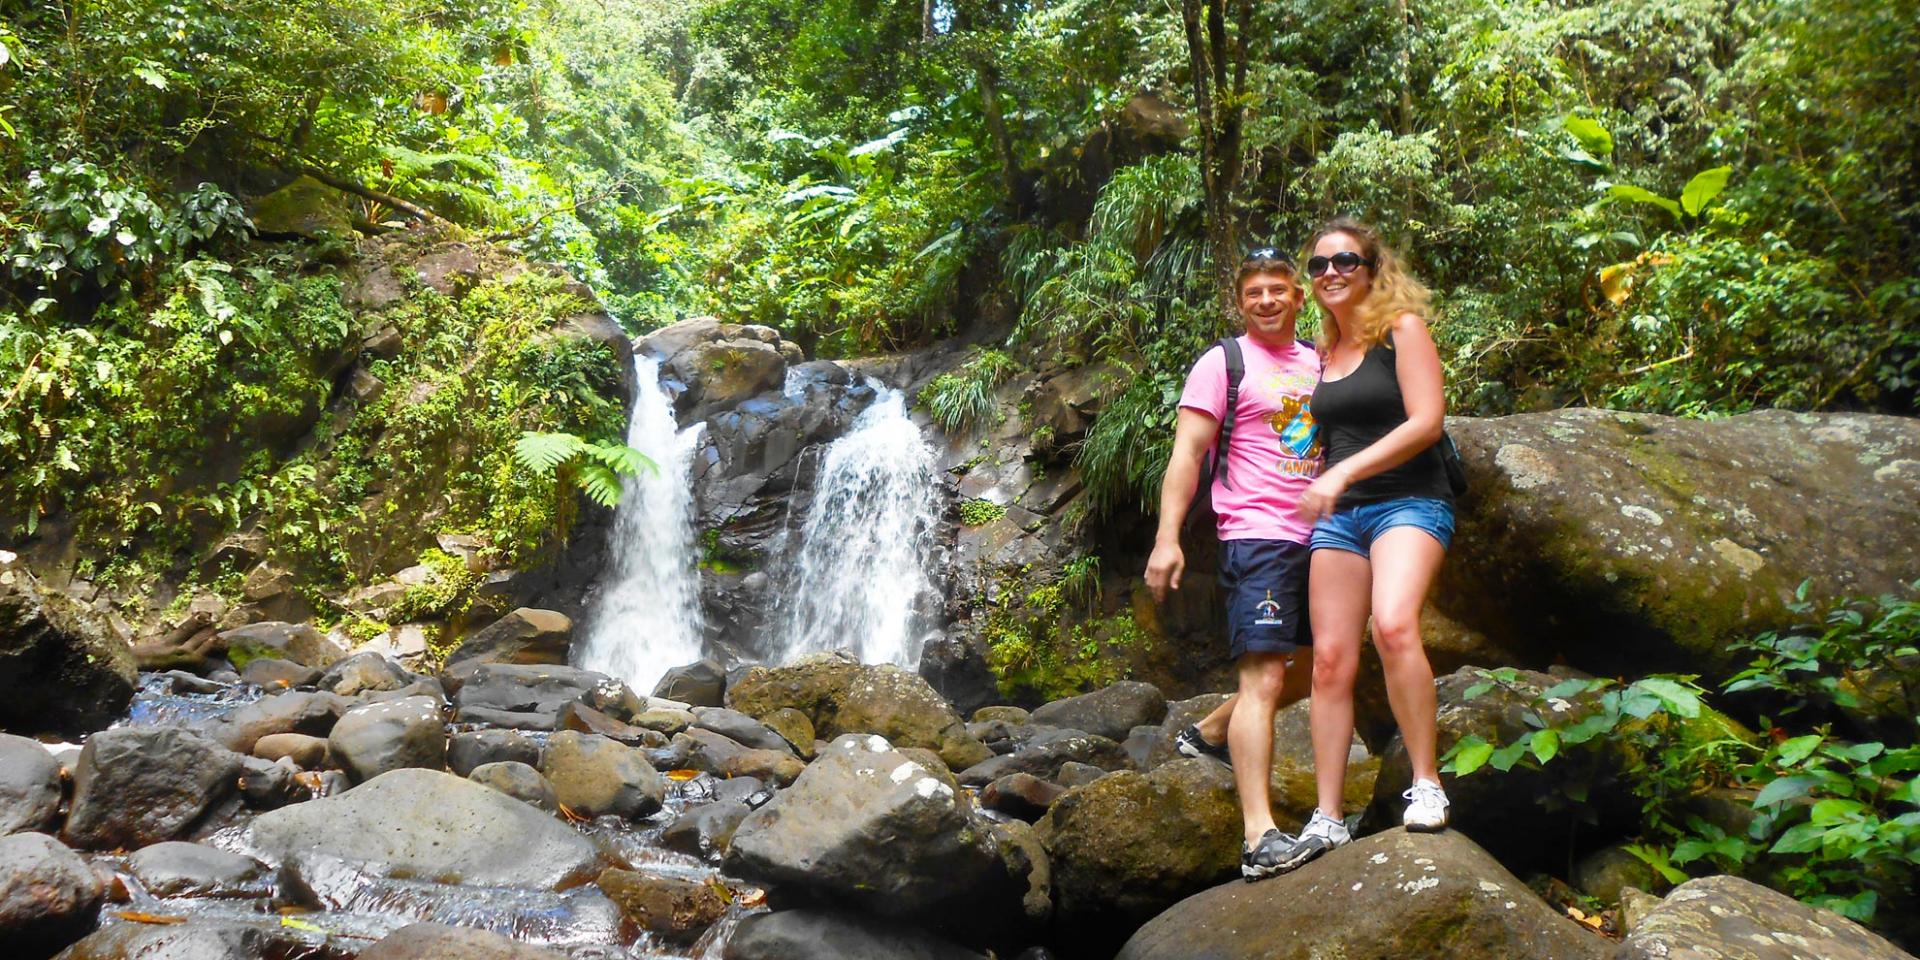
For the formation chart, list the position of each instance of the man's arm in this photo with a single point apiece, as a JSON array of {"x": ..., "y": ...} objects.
[{"x": 1193, "y": 435}]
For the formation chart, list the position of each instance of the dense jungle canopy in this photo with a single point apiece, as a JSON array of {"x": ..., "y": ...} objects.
[{"x": 1685, "y": 206}]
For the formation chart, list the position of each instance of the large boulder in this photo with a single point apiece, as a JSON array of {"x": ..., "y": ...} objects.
[
  {"x": 1291, "y": 780},
  {"x": 1391, "y": 896},
  {"x": 526, "y": 635},
  {"x": 379, "y": 737},
  {"x": 841, "y": 696},
  {"x": 48, "y": 895},
  {"x": 1110, "y": 711},
  {"x": 835, "y": 935},
  {"x": 869, "y": 828},
  {"x": 29, "y": 786},
  {"x": 519, "y": 781},
  {"x": 432, "y": 825},
  {"x": 594, "y": 775},
  {"x": 299, "y": 643},
  {"x": 1044, "y": 751},
  {"x": 134, "y": 786},
  {"x": 675, "y": 909},
  {"x": 1129, "y": 845},
  {"x": 62, "y": 666},
  {"x": 1728, "y": 918},
  {"x": 305, "y": 208},
  {"x": 432, "y": 941},
  {"x": 702, "y": 683},
  {"x": 311, "y": 714},
  {"x": 177, "y": 869},
  {"x": 520, "y": 696},
  {"x": 1629, "y": 543},
  {"x": 740, "y": 728},
  {"x": 469, "y": 749}
]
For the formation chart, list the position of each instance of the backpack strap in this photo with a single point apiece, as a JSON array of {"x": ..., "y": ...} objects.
[{"x": 1236, "y": 371}]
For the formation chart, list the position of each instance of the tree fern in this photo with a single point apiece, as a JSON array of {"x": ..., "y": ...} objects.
[{"x": 595, "y": 467}]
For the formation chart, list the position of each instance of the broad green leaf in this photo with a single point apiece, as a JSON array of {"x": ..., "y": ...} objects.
[
  {"x": 1798, "y": 749},
  {"x": 1704, "y": 186},
  {"x": 1476, "y": 691},
  {"x": 1504, "y": 758},
  {"x": 1546, "y": 745},
  {"x": 1627, "y": 191},
  {"x": 1593, "y": 137},
  {"x": 1675, "y": 695},
  {"x": 154, "y": 78},
  {"x": 1783, "y": 789},
  {"x": 1469, "y": 754},
  {"x": 1687, "y": 851},
  {"x": 1834, "y": 810},
  {"x": 1571, "y": 688},
  {"x": 1804, "y": 838},
  {"x": 600, "y": 483}
]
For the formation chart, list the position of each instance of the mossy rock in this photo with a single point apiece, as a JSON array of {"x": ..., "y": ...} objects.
[{"x": 305, "y": 208}]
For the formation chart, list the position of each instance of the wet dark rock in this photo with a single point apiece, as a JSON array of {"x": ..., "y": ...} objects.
[
  {"x": 1735, "y": 919},
  {"x": 841, "y": 696},
  {"x": 380, "y": 737},
  {"x": 520, "y": 696},
  {"x": 526, "y": 635},
  {"x": 1605, "y": 872},
  {"x": 741, "y": 728},
  {"x": 1391, "y": 896},
  {"x": 707, "y": 829},
  {"x": 197, "y": 939},
  {"x": 307, "y": 753},
  {"x": 48, "y": 895},
  {"x": 364, "y": 673},
  {"x": 584, "y": 719},
  {"x": 836, "y": 935},
  {"x": 29, "y": 786},
  {"x": 1129, "y": 845},
  {"x": 1139, "y": 744},
  {"x": 139, "y": 785},
  {"x": 868, "y": 828},
  {"x": 776, "y": 766},
  {"x": 594, "y": 776},
  {"x": 675, "y": 909},
  {"x": 177, "y": 869},
  {"x": 418, "y": 687},
  {"x": 276, "y": 674},
  {"x": 668, "y": 722},
  {"x": 472, "y": 748},
  {"x": 1002, "y": 713},
  {"x": 1021, "y": 795},
  {"x": 750, "y": 790},
  {"x": 701, "y": 684},
  {"x": 1110, "y": 712},
  {"x": 1073, "y": 773},
  {"x": 436, "y": 941},
  {"x": 267, "y": 785},
  {"x": 698, "y": 749},
  {"x": 273, "y": 639},
  {"x": 519, "y": 781},
  {"x": 958, "y": 670},
  {"x": 433, "y": 825},
  {"x": 180, "y": 681},
  {"x": 1043, "y": 755},
  {"x": 62, "y": 666},
  {"x": 312, "y": 714},
  {"x": 272, "y": 593}
]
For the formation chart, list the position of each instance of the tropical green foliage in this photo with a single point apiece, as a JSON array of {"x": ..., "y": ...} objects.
[
  {"x": 596, "y": 466},
  {"x": 964, "y": 397}
]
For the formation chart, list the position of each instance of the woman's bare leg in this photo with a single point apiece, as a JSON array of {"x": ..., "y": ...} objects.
[
  {"x": 1405, "y": 560},
  {"x": 1338, "y": 591}
]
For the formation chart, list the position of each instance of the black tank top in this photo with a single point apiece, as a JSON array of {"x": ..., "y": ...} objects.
[{"x": 1360, "y": 408}]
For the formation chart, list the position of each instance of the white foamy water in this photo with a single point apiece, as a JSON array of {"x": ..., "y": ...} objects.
[
  {"x": 648, "y": 617},
  {"x": 861, "y": 569}
]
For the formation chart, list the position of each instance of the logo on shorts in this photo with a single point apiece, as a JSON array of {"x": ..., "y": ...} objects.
[{"x": 1269, "y": 612}]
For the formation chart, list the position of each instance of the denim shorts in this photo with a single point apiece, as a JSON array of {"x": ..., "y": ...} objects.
[
  {"x": 1355, "y": 528},
  {"x": 1265, "y": 582}
]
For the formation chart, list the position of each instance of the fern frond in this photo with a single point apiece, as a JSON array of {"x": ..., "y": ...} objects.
[
  {"x": 620, "y": 458},
  {"x": 600, "y": 483},
  {"x": 544, "y": 452}
]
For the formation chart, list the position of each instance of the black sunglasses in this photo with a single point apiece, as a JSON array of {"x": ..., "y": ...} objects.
[
  {"x": 1266, "y": 253},
  {"x": 1343, "y": 263}
]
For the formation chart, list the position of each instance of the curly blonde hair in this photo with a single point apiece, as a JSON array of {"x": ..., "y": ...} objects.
[{"x": 1395, "y": 290}]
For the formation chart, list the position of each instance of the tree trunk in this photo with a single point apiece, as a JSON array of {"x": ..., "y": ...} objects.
[
  {"x": 1406, "y": 69},
  {"x": 1219, "y": 64},
  {"x": 997, "y": 129}
]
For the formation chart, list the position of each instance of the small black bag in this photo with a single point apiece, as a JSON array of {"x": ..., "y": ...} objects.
[{"x": 1455, "y": 467}]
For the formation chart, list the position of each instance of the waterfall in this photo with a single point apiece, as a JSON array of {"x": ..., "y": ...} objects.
[
  {"x": 861, "y": 572},
  {"x": 648, "y": 617}
]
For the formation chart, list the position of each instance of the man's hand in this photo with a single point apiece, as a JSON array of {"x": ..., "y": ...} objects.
[{"x": 1164, "y": 567}]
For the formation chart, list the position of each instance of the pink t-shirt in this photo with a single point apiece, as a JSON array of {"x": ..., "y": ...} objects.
[{"x": 1274, "y": 453}]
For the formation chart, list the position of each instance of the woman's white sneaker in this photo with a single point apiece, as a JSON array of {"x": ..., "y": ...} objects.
[{"x": 1426, "y": 807}]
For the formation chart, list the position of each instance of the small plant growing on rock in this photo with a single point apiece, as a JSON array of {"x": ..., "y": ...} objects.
[
  {"x": 964, "y": 397},
  {"x": 979, "y": 513}
]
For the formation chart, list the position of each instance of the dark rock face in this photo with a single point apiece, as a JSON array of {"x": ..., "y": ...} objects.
[
  {"x": 374, "y": 739},
  {"x": 526, "y": 635},
  {"x": 867, "y": 827},
  {"x": 701, "y": 684},
  {"x": 472, "y": 748},
  {"x": 958, "y": 671},
  {"x": 1634, "y": 543},
  {"x": 271, "y": 672},
  {"x": 842, "y": 697},
  {"x": 312, "y": 714},
  {"x": 431, "y": 941},
  {"x": 835, "y": 935},
  {"x": 364, "y": 673},
  {"x": 140, "y": 785},
  {"x": 1043, "y": 754},
  {"x": 271, "y": 639},
  {"x": 1391, "y": 896},
  {"x": 1129, "y": 845},
  {"x": 1021, "y": 795},
  {"x": 706, "y": 830},
  {"x": 672, "y": 908},
  {"x": 1109, "y": 712},
  {"x": 178, "y": 869},
  {"x": 62, "y": 667},
  {"x": 519, "y": 781},
  {"x": 520, "y": 696},
  {"x": 307, "y": 753},
  {"x": 432, "y": 825},
  {"x": 48, "y": 894},
  {"x": 594, "y": 775},
  {"x": 1733, "y": 919},
  {"x": 194, "y": 940},
  {"x": 29, "y": 786},
  {"x": 740, "y": 728}
]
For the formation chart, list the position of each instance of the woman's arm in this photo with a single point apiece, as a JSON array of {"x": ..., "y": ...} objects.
[{"x": 1417, "y": 365}]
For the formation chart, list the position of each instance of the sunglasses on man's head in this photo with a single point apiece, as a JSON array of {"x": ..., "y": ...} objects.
[
  {"x": 1266, "y": 253},
  {"x": 1343, "y": 263}
]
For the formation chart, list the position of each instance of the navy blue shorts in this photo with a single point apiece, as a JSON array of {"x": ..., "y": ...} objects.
[
  {"x": 1355, "y": 528},
  {"x": 1266, "y": 586}
]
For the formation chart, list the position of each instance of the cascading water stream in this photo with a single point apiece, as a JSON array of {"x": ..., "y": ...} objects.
[
  {"x": 648, "y": 617},
  {"x": 861, "y": 572}
]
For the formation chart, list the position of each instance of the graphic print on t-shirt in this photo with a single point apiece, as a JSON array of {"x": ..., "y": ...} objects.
[{"x": 1291, "y": 393}]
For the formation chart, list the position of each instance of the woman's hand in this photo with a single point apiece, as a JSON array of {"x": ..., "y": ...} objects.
[{"x": 1317, "y": 503}]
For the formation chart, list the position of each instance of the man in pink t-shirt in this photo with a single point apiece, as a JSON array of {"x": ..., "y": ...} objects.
[{"x": 1273, "y": 455}]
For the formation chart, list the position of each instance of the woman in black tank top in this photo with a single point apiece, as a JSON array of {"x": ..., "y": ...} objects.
[{"x": 1383, "y": 509}]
